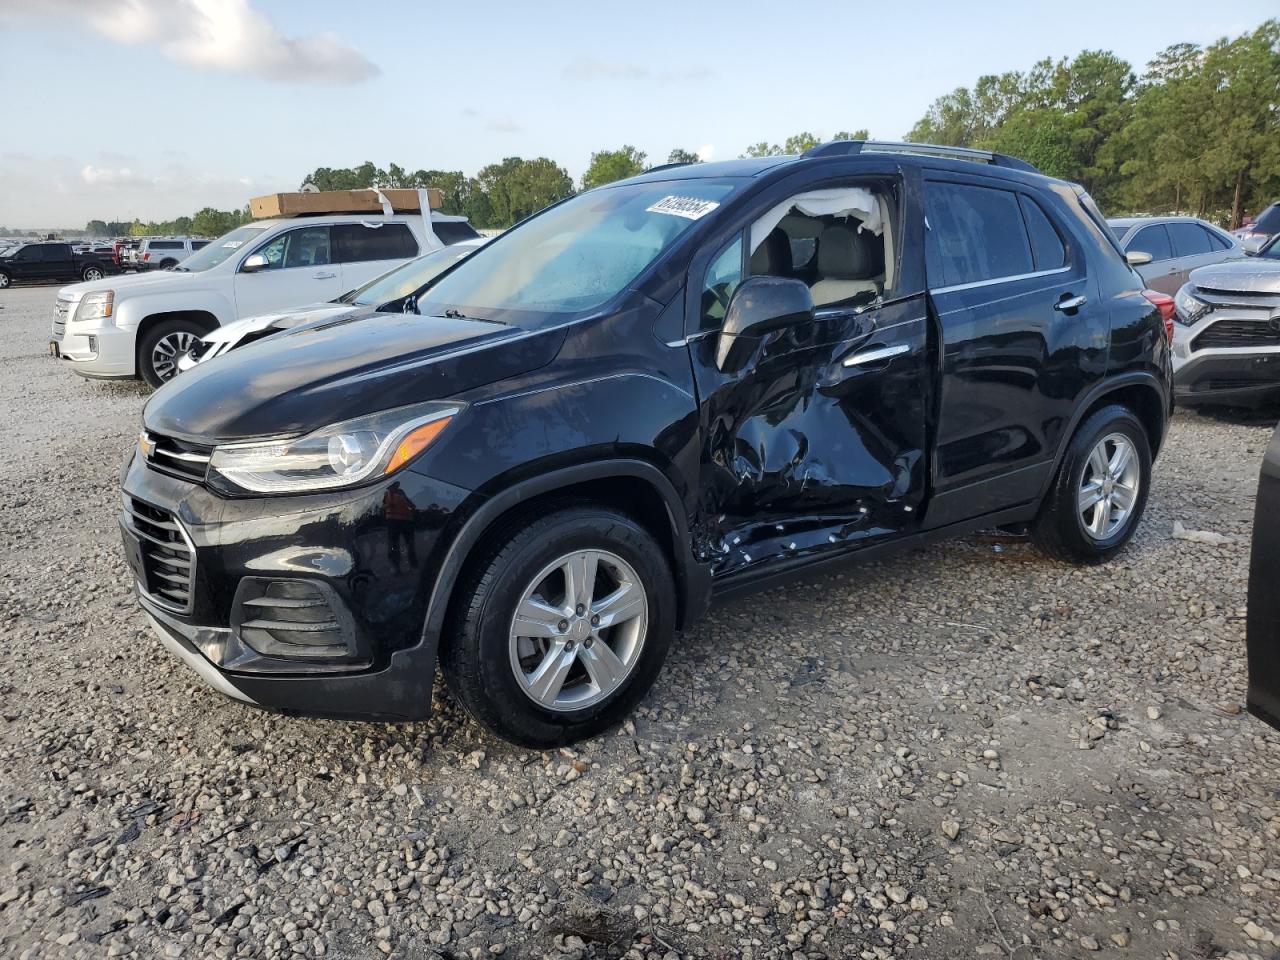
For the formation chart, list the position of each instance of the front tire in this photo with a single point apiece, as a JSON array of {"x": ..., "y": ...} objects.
[
  {"x": 162, "y": 346},
  {"x": 1100, "y": 491},
  {"x": 561, "y": 626}
]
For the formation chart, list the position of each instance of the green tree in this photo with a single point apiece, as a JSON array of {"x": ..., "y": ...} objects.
[
  {"x": 862, "y": 133},
  {"x": 763, "y": 149},
  {"x": 606, "y": 166},
  {"x": 516, "y": 188},
  {"x": 682, "y": 156},
  {"x": 96, "y": 228}
]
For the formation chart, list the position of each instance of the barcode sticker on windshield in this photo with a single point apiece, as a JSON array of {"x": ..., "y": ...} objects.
[
  {"x": 691, "y": 208},
  {"x": 233, "y": 243}
]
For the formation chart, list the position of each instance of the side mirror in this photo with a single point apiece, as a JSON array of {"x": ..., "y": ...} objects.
[
  {"x": 759, "y": 305},
  {"x": 1138, "y": 258},
  {"x": 254, "y": 263}
]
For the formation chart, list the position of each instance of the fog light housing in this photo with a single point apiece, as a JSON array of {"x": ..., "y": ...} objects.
[
  {"x": 93, "y": 345},
  {"x": 302, "y": 620}
]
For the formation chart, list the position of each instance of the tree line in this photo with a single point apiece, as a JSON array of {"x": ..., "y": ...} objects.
[{"x": 1197, "y": 131}]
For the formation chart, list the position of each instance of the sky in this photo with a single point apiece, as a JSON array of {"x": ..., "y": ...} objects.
[{"x": 118, "y": 109}]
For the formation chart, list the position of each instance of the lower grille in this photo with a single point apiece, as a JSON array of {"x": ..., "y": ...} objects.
[
  {"x": 291, "y": 618},
  {"x": 168, "y": 562},
  {"x": 61, "y": 310},
  {"x": 1238, "y": 333},
  {"x": 190, "y": 461}
]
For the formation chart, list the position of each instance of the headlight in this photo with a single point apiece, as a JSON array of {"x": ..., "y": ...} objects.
[
  {"x": 340, "y": 455},
  {"x": 96, "y": 305},
  {"x": 1189, "y": 308}
]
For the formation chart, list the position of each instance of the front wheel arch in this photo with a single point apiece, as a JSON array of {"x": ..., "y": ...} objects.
[{"x": 200, "y": 320}]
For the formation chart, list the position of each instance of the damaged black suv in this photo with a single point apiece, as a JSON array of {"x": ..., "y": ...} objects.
[{"x": 699, "y": 380}]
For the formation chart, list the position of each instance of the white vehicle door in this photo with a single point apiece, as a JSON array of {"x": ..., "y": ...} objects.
[
  {"x": 366, "y": 250},
  {"x": 300, "y": 270}
]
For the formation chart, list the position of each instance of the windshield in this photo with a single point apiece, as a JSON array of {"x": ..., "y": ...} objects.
[
  {"x": 578, "y": 255},
  {"x": 1272, "y": 249},
  {"x": 218, "y": 250},
  {"x": 406, "y": 278}
]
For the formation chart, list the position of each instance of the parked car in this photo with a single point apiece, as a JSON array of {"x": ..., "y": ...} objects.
[
  {"x": 165, "y": 253},
  {"x": 52, "y": 261},
  {"x": 142, "y": 325},
  {"x": 1263, "y": 624},
  {"x": 396, "y": 290},
  {"x": 1226, "y": 344},
  {"x": 702, "y": 380},
  {"x": 1175, "y": 245},
  {"x": 1263, "y": 227}
]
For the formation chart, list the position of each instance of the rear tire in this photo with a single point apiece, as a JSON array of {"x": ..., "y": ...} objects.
[
  {"x": 4, "y": 280},
  {"x": 168, "y": 264},
  {"x": 91, "y": 273},
  {"x": 1100, "y": 492},
  {"x": 500, "y": 674},
  {"x": 159, "y": 348}
]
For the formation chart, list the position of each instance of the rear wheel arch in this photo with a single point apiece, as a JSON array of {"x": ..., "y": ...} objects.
[{"x": 636, "y": 488}]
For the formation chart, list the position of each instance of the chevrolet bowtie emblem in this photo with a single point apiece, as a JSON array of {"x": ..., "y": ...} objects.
[{"x": 146, "y": 445}]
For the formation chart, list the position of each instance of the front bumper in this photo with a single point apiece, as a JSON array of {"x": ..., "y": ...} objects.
[
  {"x": 376, "y": 572},
  {"x": 1263, "y": 638},
  {"x": 1224, "y": 374},
  {"x": 100, "y": 353}
]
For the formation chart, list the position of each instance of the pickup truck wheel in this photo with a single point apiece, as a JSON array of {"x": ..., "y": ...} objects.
[
  {"x": 561, "y": 626},
  {"x": 168, "y": 264},
  {"x": 1100, "y": 492},
  {"x": 4, "y": 280},
  {"x": 92, "y": 273},
  {"x": 163, "y": 346}
]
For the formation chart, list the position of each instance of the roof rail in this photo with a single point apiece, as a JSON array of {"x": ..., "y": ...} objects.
[
  {"x": 668, "y": 166},
  {"x": 846, "y": 148}
]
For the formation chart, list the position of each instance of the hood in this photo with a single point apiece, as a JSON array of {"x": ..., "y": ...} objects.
[
  {"x": 1251, "y": 275},
  {"x": 130, "y": 282},
  {"x": 322, "y": 373},
  {"x": 236, "y": 329}
]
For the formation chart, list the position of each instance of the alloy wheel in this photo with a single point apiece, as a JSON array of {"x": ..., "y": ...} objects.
[
  {"x": 4, "y": 280},
  {"x": 92, "y": 274},
  {"x": 1109, "y": 486},
  {"x": 579, "y": 630},
  {"x": 168, "y": 350}
]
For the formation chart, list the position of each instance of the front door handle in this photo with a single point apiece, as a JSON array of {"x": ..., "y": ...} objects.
[
  {"x": 876, "y": 354},
  {"x": 1069, "y": 304},
  {"x": 324, "y": 274}
]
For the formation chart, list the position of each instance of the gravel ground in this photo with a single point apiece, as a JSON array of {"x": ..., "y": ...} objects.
[{"x": 966, "y": 751}]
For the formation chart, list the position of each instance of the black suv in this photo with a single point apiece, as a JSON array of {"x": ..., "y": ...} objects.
[{"x": 700, "y": 380}]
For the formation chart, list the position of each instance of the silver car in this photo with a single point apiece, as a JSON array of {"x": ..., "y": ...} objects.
[
  {"x": 1226, "y": 341},
  {"x": 1176, "y": 246}
]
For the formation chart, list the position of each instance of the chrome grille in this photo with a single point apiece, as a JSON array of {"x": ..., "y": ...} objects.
[
  {"x": 168, "y": 560},
  {"x": 61, "y": 311},
  {"x": 190, "y": 461}
]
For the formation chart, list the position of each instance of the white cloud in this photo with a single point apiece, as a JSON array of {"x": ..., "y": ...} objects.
[
  {"x": 225, "y": 35},
  {"x": 706, "y": 152},
  {"x": 111, "y": 176}
]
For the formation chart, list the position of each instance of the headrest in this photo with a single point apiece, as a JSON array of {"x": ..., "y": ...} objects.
[
  {"x": 846, "y": 254},
  {"x": 773, "y": 257}
]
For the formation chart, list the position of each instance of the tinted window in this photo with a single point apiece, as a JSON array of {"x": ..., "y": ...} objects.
[
  {"x": 55, "y": 251},
  {"x": 29, "y": 252},
  {"x": 357, "y": 243},
  {"x": 723, "y": 276},
  {"x": 166, "y": 245},
  {"x": 1218, "y": 240},
  {"x": 454, "y": 231},
  {"x": 222, "y": 248},
  {"x": 1189, "y": 239},
  {"x": 1269, "y": 220},
  {"x": 975, "y": 234},
  {"x": 197, "y": 244},
  {"x": 1047, "y": 249},
  {"x": 1152, "y": 240}
]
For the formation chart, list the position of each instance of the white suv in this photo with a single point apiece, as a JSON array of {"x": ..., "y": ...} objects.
[
  {"x": 161, "y": 253},
  {"x": 140, "y": 325}
]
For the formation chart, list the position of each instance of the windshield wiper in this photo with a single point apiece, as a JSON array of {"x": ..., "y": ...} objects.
[{"x": 454, "y": 314}]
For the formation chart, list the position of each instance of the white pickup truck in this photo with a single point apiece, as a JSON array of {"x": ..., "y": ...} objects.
[{"x": 141, "y": 325}]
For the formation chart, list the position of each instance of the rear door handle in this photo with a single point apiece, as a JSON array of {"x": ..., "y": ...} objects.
[
  {"x": 1069, "y": 303},
  {"x": 324, "y": 274}
]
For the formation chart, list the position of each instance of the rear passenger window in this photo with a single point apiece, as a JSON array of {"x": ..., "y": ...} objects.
[
  {"x": 1047, "y": 249},
  {"x": 1189, "y": 239},
  {"x": 1218, "y": 240},
  {"x": 975, "y": 234},
  {"x": 1152, "y": 240},
  {"x": 357, "y": 242},
  {"x": 453, "y": 231}
]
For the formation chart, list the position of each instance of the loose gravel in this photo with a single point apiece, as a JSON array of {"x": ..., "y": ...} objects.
[{"x": 969, "y": 750}]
